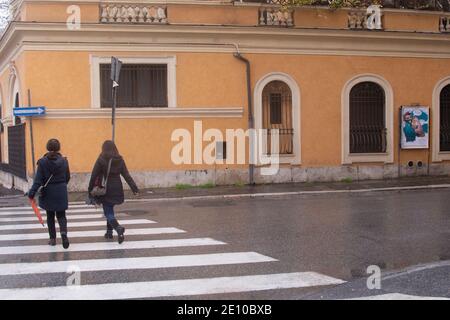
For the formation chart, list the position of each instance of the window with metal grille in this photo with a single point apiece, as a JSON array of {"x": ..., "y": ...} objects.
[
  {"x": 16, "y": 152},
  {"x": 140, "y": 86},
  {"x": 444, "y": 119},
  {"x": 277, "y": 115},
  {"x": 367, "y": 118}
]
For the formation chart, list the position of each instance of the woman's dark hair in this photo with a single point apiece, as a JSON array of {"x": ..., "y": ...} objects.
[
  {"x": 109, "y": 149},
  {"x": 53, "y": 145}
]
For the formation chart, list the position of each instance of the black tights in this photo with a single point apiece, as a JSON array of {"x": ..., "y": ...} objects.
[{"x": 62, "y": 221}]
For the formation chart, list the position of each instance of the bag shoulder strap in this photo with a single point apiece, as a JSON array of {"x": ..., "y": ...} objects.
[
  {"x": 107, "y": 173},
  {"x": 51, "y": 176}
]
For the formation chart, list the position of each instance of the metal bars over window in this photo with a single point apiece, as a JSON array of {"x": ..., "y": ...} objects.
[
  {"x": 277, "y": 114},
  {"x": 444, "y": 119},
  {"x": 367, "y": 118},
  {"x": 16, "y": 152},
  {"x": 140, "y": 86}
]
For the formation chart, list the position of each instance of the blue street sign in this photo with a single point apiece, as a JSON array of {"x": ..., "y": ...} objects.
[{"x": 29, "y": 111}]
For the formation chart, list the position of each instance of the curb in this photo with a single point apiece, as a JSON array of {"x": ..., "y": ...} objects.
[{"x": 277, "y": 194}]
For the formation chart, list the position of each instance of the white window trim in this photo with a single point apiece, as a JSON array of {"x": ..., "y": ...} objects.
[
  {"x": 295, "y": 91},
  {"x": 14, "y": 89},
  {"x": 388, "y": 156},
  {"x": 437, "y": 154},
  {"x": 171, "y": 62}
]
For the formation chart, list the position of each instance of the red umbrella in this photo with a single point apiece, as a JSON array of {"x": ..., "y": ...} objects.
[{"x": 37, "y": 212}]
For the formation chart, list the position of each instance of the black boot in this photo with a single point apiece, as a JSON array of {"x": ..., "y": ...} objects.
[
  {"x": 119, "y": 229},
  {"x": 52, "y": 242},
  {"x": 109, "y": 231},
  {"x": 65, "y": 240}
]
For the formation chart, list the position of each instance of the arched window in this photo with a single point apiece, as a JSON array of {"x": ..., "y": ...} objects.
[
  {"x": 444, "y": 119},
  {"x": 277, "y": 114},
  {"x": 277, "y": 106},
  {"x": 367, "y": 118}
]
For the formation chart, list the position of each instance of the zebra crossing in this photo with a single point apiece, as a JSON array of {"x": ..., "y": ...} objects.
[{"x": 24, "y": 255}]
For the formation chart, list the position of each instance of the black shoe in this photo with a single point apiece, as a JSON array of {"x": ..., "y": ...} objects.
[
  {"x": 119, "y": 229},
  {"x": 65, "y": 241},
  {"x": 120, "y": 232},
  {"x": 109, "y": 231},
  {"x": 108, "y": 235},
  {"x": 52, "y": 242}
]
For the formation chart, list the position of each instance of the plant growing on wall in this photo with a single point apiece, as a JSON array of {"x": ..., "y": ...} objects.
[{"x": 333, "y": 4}]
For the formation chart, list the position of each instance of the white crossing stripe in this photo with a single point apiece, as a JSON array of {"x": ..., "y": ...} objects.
[
  {"x": 103, "y": 246},
  {"x": 85, "y": 234},
  {"x": 32, "y": 217},
  {"x": 133, "y": 263},
  {"x": 26, "y": 212},
  {"x": 73, "y": 224},
  {"x": 28, "y": 207},
  {"x": 173, "y": 288}
]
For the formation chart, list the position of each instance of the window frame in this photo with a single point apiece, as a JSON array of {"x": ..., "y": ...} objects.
[
  {"x": 296, "y": 156},
  {"x": 136, "y": 91},
  {"x": 376, "y": 87},
  {"x": 437, "y": 154},
  {"x": 385, "y": 157},
  {"x": 170, "y": 61}
]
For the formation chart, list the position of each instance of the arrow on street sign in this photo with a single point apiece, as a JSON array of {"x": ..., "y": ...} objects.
[{"x": 29, "y": 111}]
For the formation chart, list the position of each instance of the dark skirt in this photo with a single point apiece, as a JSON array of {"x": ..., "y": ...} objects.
[{"x": 54, "y": 197}]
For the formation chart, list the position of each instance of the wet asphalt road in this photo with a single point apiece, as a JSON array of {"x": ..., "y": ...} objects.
[{"x": 338, "y": 235}]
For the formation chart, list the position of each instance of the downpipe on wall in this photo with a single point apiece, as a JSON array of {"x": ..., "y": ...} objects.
[{"x": 251, "y": 123}]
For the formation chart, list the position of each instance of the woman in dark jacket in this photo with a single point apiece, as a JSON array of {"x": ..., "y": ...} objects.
[
  {"x": 53, "y": 170},
  {"x": 114, "y": 189}
]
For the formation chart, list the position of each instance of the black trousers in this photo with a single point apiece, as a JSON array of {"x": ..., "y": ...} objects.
[{"x": 62, "y": 221}]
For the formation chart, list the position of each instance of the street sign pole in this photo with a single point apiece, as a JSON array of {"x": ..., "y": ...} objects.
[
  {"x": 116, "y": 64},
  {"x": 31, "y": 136},
  {"x": 113, "y": 116}
]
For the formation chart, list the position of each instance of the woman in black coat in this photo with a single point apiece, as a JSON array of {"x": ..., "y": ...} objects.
[
  {"x": 114, "y": 189},
  {"x": 53, "y": 170}
]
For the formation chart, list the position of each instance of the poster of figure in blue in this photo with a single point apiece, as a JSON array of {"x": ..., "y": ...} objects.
[{"x": 415, "y": 127}]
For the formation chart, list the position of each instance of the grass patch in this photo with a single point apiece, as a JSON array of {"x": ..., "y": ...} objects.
[
  {"x": 239, "y": 184},
  {"x": 183, "y": 186},
  {"x": 347, "y": 180},
  {"x": 207, "y": 185}
]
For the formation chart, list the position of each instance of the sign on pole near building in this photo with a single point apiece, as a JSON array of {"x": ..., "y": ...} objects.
[
  {"x": 29, "y": 111},
  {"x": 116, "y": 64}
]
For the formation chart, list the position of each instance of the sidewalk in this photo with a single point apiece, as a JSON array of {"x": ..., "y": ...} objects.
[
  {"x": 15, "y": 198},
  {"x": 208, "y": 191}
]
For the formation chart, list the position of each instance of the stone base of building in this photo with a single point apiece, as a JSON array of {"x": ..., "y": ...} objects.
[
  {"x": 10, "y": 181},
  {"x": 164, "y": 179}
]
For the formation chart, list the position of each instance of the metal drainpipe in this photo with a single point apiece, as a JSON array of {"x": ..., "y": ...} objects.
[{"x": 251, "y": 125}]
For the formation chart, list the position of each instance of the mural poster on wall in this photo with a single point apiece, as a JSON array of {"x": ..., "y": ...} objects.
[{"x": 415, "y": 127}]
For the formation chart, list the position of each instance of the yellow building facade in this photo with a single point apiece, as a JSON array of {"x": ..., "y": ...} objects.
[{"x": 310, "y": 70}]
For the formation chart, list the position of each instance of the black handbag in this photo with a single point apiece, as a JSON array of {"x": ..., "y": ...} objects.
[{"x": 100, "y": 190}]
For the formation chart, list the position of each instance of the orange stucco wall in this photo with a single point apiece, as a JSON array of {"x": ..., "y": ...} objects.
[
  {"x": 218, "y": 80},
  {"x": 227, "y": 14},
  {"x": 54, "y": 12},
  {"x": 62, "y": 80},
  {"x": 407, "y": 21}
]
